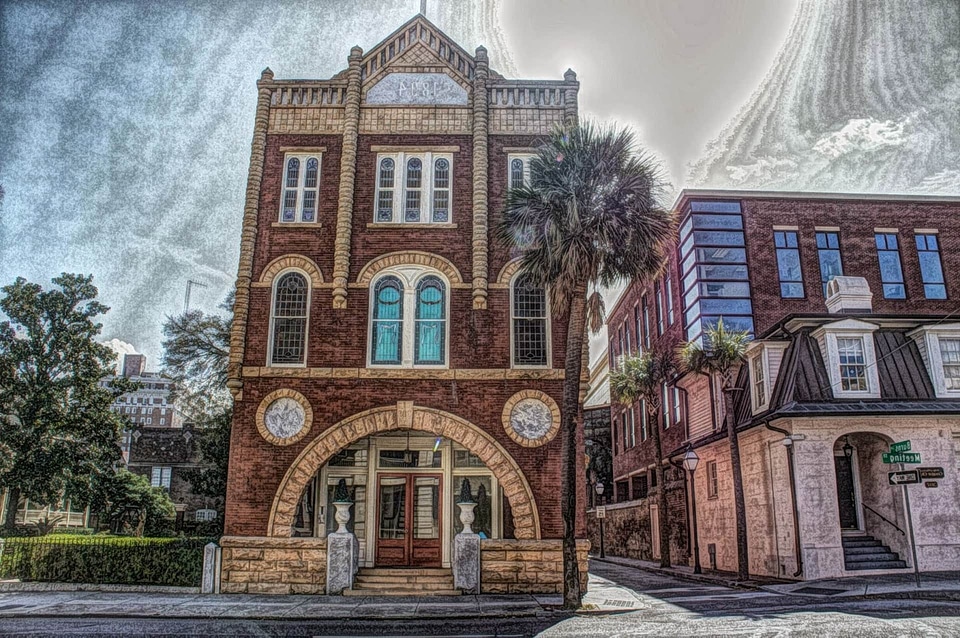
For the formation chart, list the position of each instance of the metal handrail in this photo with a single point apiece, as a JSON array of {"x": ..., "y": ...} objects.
[{"x": 884, "y": 518}]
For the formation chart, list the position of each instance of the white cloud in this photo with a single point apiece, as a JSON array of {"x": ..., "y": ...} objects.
[
  {"x": 120, "y": 348},
  {"x": 864, "y": 134}
]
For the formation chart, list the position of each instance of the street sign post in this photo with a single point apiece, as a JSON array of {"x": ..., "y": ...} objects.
[
  {"x": 903, "y": 478},
  {"x": 902, "y": 446},
  {"x": 901, "y": 457},
  {"x": 927, "y": 473}
]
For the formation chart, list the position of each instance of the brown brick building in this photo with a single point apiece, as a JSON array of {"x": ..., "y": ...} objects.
[
  {"x": 852, "y": 303},
  {"x": 381, "y": 335}
]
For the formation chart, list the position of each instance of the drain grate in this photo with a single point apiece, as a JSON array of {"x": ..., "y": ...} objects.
[
  {"x": 617, "y": 603},
  {"x": 822, "y": 591}
]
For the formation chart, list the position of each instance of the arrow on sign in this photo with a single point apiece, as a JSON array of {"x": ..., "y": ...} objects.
[{"x": 903, "y": 478}]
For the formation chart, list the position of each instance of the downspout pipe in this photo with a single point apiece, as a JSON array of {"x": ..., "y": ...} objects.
[{"x": 793, "y": 497}]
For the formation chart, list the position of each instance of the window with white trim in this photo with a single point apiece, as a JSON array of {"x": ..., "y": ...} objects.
[
  {"x": 850, "y": 357},
  {"x": 530, "y": 324},
  {"x": 301, "y": 187},
  {"x": 712, "y": 482},
  {"x": 160, "y": 476},
  {"x": 518, "y": 169},
  {"x": 950, "y": 359},
  {"x": 409, "y": 315},
  {"x": 758, "y": 379},
  {"x": 288, "y": 321},
  {"x": 644, "y": 428},
  {"x": 853, "y": 364},
  {"x": 204, "y": 515},
  {"x": 939, "y": 346},
  {"x": 414, "y": 188}
]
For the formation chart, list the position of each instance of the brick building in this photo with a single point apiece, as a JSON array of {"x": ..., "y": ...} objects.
[
  {"x": 381, "y": 336},
  {"x": 851, "y": 301},
  {"x": 149, "y": 406}
]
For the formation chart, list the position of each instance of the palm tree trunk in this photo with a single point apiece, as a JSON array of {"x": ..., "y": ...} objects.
[
  {"x": 740, "y": 505},
  {"x": 568, "y": 429},
  {"x": 664, "y": 522},
  {"x": 13, "y": 503}
]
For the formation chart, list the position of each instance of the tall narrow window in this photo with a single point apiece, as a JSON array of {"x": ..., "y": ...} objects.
[
  {"x": 788, "y": 263},
  {"x": 291, "y": 296},
  {"x": 712, "y": 482},
  {"x": 441, "y": 190},
  {"x": 646, "y": 322},
  {"x": 891, "y": 272},
  {"x": 301, "y": 184},
  {"x": 430, "y": 322},
  {"x": 665, "y": 405},
  {"x": 621, "y": 352},
  {"x": 632, "y": 428},
  {"x": 387, "y": 321},
  {"x": 385, "y": 190},
  {"x": 950, "y": 358},
  {"x": 658, "y": 302},
  {"x": 644, "y": 427},
  {"x": 624, "y": 433},
  {"x": 668, "y": 291},
  {"x": 853, "y": 365},
  {"x": 413, "y": 190},
  {"x": 529, "y": 323},
  {"x": 759, "y": 384},
  {"x": 636, "y": 327},
  {"x": 931, "y": 269},
  {"x": 676, "y": 405},
  {"x": 516, "y": 172},
  {"x": 828, "y": 250},
  {"x": 626, "y": 338}
]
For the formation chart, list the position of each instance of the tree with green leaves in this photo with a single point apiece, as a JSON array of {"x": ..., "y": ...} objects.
[
  {"x": 720, "y": 357},
  {"x": 590, "y": 217},
  {"x": 131, "y": 505},
  {"x": 196, "y": 349},
  {"x": 642, "y": 377},
  {"x": 56, "y": 421}
]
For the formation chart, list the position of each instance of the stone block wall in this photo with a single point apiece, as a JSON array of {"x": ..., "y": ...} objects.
[
  {"x": 261, "y": 565},
  {"x": 527, "y": 567}
]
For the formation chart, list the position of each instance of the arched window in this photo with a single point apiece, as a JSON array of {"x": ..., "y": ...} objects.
[
  {"x": 529, "y": 316},
  {"x": 516, "y": 173},
  {"x": 413, "y": 189},
  {"x": 290, "y": 300},
  {"x": 385, "y": 190},
  {"x": 301, "y": 188},
  {"x": 309, "y": 209},
  {"x": 430, "y": 322},
  {"x": 387, "y": 330},
  {"x": 441, "y": 190},
  {"x": 290, "y": 190}
]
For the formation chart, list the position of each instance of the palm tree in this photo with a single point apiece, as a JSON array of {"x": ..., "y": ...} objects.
[
  {"x": 643, "y": 377},
  {"x": 722, "y": 357},
  {"x": 590, "y": 217}
]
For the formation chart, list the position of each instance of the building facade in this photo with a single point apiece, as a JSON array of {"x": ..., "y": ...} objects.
[
  {"x": 150, "y": 406},
  {"x": 851, "y": 303},
  {"x": 382, "y": 338}
]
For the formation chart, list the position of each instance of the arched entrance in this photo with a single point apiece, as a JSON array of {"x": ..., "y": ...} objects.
[{"x": 406, "y": 416}]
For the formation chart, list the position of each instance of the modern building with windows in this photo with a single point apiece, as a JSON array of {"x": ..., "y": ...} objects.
[
  {"x": 382, "y": 337},
  {"x": 855, "y": 346}
]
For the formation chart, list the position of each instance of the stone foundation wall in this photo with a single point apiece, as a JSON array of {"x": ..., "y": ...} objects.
[
  {"x": 261, "y": 565},
  {"x": 527, "y": 567}
]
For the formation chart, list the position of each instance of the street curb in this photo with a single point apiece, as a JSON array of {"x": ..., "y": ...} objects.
[
  {"x": 541, "y": 613},
  {"x": 13, "y": 587},
  {"x": 696, "y": 578}
]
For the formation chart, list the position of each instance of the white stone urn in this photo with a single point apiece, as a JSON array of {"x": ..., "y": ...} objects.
[
  {"x": 467, "y": 516},
  {"x": 342, "y": 515}
]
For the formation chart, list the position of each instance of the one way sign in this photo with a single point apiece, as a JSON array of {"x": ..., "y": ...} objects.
[{"x": 903, "y": 478}]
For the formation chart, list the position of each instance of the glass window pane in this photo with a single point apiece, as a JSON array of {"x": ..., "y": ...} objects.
[
  {"x": 529, "y": 323},
  {"x": 293, "y": 172},
  {"x": 393, "y": 505},
  {"x": 722, "y": 255},
  {"x": 715, "y": 271},
  {"x": 426, "y": 507},
  {"x": 310, "y": 179},
  {"x": 516, "y": 173},
  {"x": 717, "y": 238},
  {"x": 480, "y": 491},
  {"x": 950, "y": 356},
  {"x": 732, "y": 222}
]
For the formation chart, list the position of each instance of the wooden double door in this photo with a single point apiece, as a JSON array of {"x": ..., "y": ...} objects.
[{"x": 409, "y": 517}]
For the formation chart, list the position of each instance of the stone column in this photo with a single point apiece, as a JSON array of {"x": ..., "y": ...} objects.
[
  {"x": 343, "y": 552},
  {"x": 570, "y": 109},
  {"x": 480, "y": 160},
  {"x": 348, "y": 172},
  {"x": 466, "y": 554},
  {"x": 208, "y": 584},
  {"x": 248, "y": 236}
]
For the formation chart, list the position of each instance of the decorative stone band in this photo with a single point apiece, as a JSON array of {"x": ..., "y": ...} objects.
[
  {"x": 405, "y": 416},
  {"x": 278, "y": 419},
  {"x": 506, "y": 273},
  {"x": 531, "y": 418},
  {"x": 460, "y": 374},
  {"x": 280, "y": 264},
  {"x": 409, "y": 258}
]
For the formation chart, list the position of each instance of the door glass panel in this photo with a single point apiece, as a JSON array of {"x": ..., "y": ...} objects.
[
  {"x": 393, "y": 497},
  {"x": 426, "y": 507}
]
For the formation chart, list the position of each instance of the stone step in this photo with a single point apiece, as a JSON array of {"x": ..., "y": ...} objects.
[
  {"x": 409, "y": 585},
  {"x": 886, "y": 564},
  {"x": 404, "y": 571},
  {"x": 875, "y": 556},
  {"x": 861, "y": 542},
  {"x": 400, "y": 592},
  {"x": 865, "y": 549}
]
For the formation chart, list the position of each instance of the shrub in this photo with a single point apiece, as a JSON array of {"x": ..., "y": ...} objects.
[{"x": 104, "y": 560}]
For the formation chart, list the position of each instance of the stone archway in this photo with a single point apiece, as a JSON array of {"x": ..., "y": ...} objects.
[{"x": 405, "y": 416}]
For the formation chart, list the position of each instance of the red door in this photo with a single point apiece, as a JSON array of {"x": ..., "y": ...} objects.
[{"x": 408, "y": 520}]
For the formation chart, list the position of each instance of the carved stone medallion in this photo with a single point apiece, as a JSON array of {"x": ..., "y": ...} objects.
[
  {"x": 284, "y": 417},
  {"x": 531, "y": 418}
]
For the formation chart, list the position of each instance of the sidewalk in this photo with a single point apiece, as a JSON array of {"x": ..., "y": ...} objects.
[{"x": 933, "y": 585}]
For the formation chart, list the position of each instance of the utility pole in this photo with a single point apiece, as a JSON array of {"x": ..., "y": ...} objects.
[
  {"x": 423, "y": 7},
  {"x": 186, "y": 298}
]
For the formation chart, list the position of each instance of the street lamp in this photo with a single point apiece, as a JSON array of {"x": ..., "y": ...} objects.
[
  {"x": 847, "y": 448},
  {"x": 690, "y": 462},
  {"x": 599, "y": 489}
]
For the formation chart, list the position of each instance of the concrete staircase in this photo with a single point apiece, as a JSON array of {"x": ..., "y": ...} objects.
[
  {"x": 403, "y": 581},
  {"x": 866, "y": 552}
]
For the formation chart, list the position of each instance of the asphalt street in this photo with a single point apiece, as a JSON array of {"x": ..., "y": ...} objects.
[{"x": 636, "y": 603}]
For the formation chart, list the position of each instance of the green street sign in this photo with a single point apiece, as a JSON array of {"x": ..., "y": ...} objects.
[
  {"x": 904, "y": 457},
  {"x": 902, "y": 446}
]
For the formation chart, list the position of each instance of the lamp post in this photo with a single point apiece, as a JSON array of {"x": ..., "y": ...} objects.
[
  {"x": 599, "y": 489},
  {"x": 690, "y": 461}
]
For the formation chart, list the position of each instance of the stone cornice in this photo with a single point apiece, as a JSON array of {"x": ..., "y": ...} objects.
[{"x": 459, "y": 374}]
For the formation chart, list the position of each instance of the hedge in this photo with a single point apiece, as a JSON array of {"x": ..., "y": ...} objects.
[{"x": 104, "y": 560}]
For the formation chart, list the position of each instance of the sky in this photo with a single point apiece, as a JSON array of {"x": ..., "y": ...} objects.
[{"x": 125, "y": 126}]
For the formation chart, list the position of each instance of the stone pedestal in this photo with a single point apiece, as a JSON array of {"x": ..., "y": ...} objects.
[
  {"x": 208, "y": 585},
  {"x": 466, "y": 563},
  {"x": 343, "y": 553}
]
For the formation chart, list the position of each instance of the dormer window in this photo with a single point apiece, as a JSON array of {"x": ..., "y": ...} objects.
[
  {"x": 414, "y": 188},
  {"x": 850, "y": 357},
  {"x": 764, "y": 360},
  {"x": 939, "y": 346},
  {"x": 950, "y": 358},
  {"x": 759, "y": 381}
]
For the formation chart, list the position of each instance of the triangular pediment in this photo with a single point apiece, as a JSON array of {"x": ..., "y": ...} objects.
[{"x": 418, "y": 44}]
